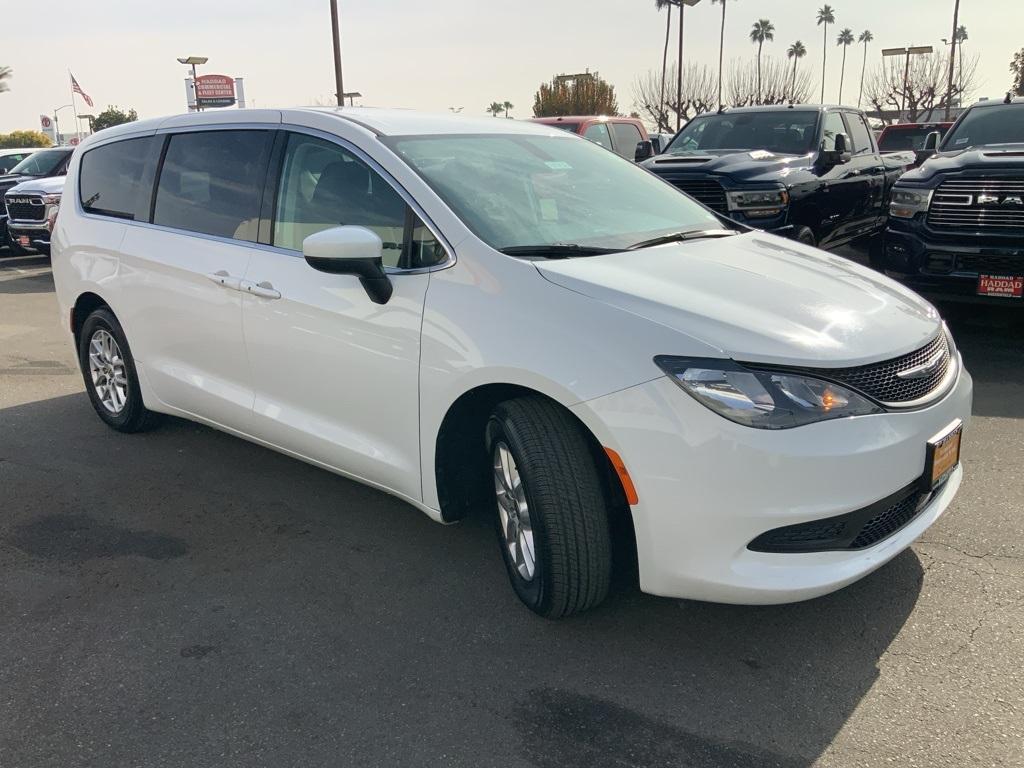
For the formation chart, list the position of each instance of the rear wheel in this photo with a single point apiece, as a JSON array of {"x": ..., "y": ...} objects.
[
  {"x": 552, "y": 509},
  {"x": 805, "y": 235},
  {"x": 110, "y": 376}
]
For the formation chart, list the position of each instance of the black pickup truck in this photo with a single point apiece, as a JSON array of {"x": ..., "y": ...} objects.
[
  {"x": 956, "y": 225},
  {"x": 812, "y": 173}
]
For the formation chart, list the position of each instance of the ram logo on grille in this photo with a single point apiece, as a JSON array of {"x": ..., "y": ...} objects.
[
  {"x": 25, "y": 200},
  {"x": 997, "y": 200}
]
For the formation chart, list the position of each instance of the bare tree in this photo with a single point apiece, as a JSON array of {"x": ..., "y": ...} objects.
[
  {"x": 699, "y": 88},
  {"x": 926, "y": 88},
  {"x": 778, "y": 85}
]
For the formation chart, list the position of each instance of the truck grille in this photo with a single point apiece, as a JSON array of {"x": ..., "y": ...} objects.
[
  {"x": 881, "y": 381},
  {"x": 979, "y": 203},
  {"x": 25, "y": 208},
  {"x": 705, "y": 191}
]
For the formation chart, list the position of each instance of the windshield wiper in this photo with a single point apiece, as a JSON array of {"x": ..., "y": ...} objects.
[
  {"x": 556, "y": 250},
  {"x": 679, "y": 237}
]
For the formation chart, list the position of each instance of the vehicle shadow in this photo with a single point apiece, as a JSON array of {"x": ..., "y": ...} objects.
[
  {"x": 991, "y": 340},
  {"x": 214, "y": 596}
]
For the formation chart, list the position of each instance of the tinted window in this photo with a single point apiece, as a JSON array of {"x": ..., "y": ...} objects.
[
  {"x": 212, "y": 182},
  {"x": 537, "y": 190},
  {"x": 324, "y": 186},
  {"x": 627, "y": 136},
  {"x": 833, "y": 127},
  {"x": 113, "y": 179},
  {"x": 788, "y": 132},
  {"x": 900, "y": 139},
  {"x": 859, "y": 134},
  {"x": 47, "y": 162},
  {"x": 1002, "y": 124},
  {"x": 598, "y": 133}
]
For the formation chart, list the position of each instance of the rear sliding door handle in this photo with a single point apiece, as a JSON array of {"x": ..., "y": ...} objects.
[
  {"x": 221, "y": 277},
  {"x": 264, "y": 290}
]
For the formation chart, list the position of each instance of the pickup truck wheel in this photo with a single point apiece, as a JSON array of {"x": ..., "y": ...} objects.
[
  {"x": 552, "y": 511},
  {"x": 110, "y": 376},
  {"x": 806, "y": 236}
]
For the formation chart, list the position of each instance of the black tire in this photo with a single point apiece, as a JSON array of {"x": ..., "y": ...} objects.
[
  {"x": 805, "y": 235},
  {"x": 133, "y": 415},
  {"x": 567, "y": 506}
]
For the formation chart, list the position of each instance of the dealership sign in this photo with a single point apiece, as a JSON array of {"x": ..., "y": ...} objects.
[{"x": 215, "y": 91}]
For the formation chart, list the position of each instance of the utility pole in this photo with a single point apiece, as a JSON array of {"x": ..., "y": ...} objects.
[
  {"x": 679, "y": 74},
  {"x": 338, "y": 84},
  {"x": 952, "y": 58}
]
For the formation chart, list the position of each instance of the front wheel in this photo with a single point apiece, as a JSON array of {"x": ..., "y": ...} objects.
[
  {"x": 552, "y": 508},
  {"x": 805, "y": 235}
]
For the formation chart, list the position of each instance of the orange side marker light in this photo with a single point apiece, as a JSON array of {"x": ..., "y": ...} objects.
[{"x": 624, "y": 478}]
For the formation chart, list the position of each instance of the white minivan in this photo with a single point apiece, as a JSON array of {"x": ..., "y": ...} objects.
[{"x": 495, "y": 315}]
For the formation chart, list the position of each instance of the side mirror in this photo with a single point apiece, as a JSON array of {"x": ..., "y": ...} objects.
[
  {"x": 839, "y": 155},
  {"x": 931, "y": 143},
  {"x": 350, "y": 251},
  {"x": 644, "y": 151}
]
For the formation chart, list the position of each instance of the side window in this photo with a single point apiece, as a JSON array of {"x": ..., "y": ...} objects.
[
  {"x": 323, "y": 186},
  {"x": 627, "y": 136},
  {"x": 833, "y": 127},
  {"x": 859, "y": 134},
  {"x": 117, "y": 179},
  {"x": 212, "y": 182},
  {"x": 598, "y": 133}
]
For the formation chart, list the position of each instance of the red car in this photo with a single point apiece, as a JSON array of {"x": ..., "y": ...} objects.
[
  {"x": 626, "y": 136},
  {"x": 910, "y": 136}
]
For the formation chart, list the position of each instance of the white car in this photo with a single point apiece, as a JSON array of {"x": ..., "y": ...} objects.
[{"x": 497, "y": 316}]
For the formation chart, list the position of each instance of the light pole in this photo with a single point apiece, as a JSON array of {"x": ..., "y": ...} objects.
[
  {"x": 679, "y": 74},
  {"x": 913, "y": 50},
  {"x": 336, "y": 34},
  {"x": 193, "y": 60},
  {"x": 952, "y": 57},
  {"x": 56, "y": 123}
]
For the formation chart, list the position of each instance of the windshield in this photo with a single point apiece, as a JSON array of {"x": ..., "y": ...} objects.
[
  {"x": 523, "y": 190},
  {"x": 987, "y": 125},
  {"x": 786, "y": 132},
  {"x": 42, "y": 163},
  {"x": 902, "y": 139}
]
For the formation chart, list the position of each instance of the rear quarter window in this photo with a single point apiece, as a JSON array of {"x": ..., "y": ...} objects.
[{"x": 117, "y": 179}]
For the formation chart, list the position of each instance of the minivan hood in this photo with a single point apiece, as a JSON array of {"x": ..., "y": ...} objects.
[{"x": 759, "y": 298}]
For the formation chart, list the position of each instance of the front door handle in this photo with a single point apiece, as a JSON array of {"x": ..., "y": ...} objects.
[
  {"x": 221, "y": 277},
  {"x": 264, "y": 290}
]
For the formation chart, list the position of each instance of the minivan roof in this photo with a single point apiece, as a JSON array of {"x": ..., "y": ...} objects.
[{"x": 383, "y": 122}]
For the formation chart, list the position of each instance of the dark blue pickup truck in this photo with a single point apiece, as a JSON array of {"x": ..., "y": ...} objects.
[
  {"x": 956, "y": 225},
  {"x": 814, "y": 174}
]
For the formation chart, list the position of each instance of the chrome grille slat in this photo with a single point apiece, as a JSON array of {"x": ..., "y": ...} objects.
[
  {"x": 954, "y": 205},
  {"x": 34, "y": 211}
]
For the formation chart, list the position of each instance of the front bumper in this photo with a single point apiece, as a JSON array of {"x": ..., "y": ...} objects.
[
  {"x": 945, "y": 267},
  {"x": 37, "y": 232},
  {"x": 708, "y": 487}
]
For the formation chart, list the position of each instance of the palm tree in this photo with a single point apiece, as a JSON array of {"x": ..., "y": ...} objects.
[
  {"x": 796, "y": 52},
  {"x": 659, "y": 4},
  {"x": 496, "y": 108},
  {"x": 721, "y": 48},
  {"x": 865, "y": 37},
  {"x": 508, "y": 105},
  {"x": 763, "y": 30},
  {"x": 826, "y": 16},
  {"x": 845, "y": 39},
  {"x": 5, "y": 73}
]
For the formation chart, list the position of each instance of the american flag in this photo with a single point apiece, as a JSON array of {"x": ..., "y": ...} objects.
[{"x": 75, "y": 87}]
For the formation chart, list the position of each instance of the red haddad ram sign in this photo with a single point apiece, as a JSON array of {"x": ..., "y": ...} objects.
[{"x": 215, "y": 91}]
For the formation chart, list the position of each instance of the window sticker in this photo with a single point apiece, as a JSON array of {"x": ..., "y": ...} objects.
[
  {"x": 548, "y": 208},
  {"x": 558, "y": 165}
]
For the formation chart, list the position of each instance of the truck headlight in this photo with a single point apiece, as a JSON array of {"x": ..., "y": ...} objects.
[
  {"x": 758, "y": 203},
  {"x": 907, "y": 203},
  {"x": 763, "y": 399}
]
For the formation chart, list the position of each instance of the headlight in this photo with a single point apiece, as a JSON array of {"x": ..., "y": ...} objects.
[
  {"x": 758, "y": 203},
  {"x": 907, "y": 203},
  {"x": 51, "y": 199},
  {"x": 763, "y": 399}
]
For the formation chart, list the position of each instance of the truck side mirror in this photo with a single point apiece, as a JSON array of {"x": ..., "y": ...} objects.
[
  {"x": 839, "y": 155},
  {"x": 931, "y": 143},
  {"x": 644, "y": 151}
]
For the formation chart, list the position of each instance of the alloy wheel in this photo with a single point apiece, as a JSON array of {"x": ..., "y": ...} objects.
[
  {"x": 107, "y": 371},
  {"x": 514, "y": 513}
]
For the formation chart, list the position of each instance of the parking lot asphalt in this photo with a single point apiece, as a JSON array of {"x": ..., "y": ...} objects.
[{"x": 184, "y": 598}]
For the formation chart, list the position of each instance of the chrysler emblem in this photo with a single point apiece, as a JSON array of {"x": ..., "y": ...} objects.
[{"x": 925, "y": 369}]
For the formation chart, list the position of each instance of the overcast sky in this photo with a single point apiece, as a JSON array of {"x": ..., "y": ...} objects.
[{"x": 443, "y": 53}]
